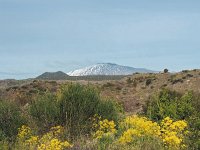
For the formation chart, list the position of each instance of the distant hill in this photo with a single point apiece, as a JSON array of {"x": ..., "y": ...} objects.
[
  {"x": 59, "y": 75},
  {"x": 108, "y": 69},
  {"x": 131, "y": 91}
]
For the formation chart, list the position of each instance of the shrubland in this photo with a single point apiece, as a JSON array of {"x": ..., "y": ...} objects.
[
  {"x": 77, "y": 117},
  {"x": 178, "y": 106}
]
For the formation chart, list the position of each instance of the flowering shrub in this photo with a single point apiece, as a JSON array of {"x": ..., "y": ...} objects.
[
  {"x": 24, "y": 132},
  {"x": 173, "y": 132},
  {"x": 104, "y": 128},
  {"x": 135, "y": 126},
  {"x": 178, "y": 106},
  {"x": 49, "y": 141},
  {"x": 104, "y": 132},
  {"x": 133, "y": 132},
  {"x": 136, "y": 130}
]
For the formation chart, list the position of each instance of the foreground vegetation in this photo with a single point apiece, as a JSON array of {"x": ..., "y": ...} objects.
[{"x": 76, "y": 117}]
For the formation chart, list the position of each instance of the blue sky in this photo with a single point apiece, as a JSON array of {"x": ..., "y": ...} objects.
[{"x": 51, "y": 35}]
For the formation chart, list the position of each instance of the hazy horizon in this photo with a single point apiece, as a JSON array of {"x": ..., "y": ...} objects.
[{"x": 64, "y": 35}]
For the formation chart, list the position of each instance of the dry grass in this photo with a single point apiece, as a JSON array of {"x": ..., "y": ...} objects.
[{"x": 131, "y": 91}]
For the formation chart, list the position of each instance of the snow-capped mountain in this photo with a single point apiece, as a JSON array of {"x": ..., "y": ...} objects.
[{"x": 107, "y": 69}]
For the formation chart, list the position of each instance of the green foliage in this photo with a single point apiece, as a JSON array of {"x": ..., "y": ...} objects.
[
  {"x": 105, "y": 142},
  {"x": 148, "y": 82},
  {"x": 10, "y": 120},
  {"x": 78, "y": 103},
  {"x": 170, "y": 103},
  {"x": 4, "y": 145},
  {"x": 189, "y": 75},
  {"x": 166, "y": 70},
  {"x": 72, "y": 107},
  {"x": 177, "y": 81},
  {"x": 174, "y": 79},
  {"x": 185, "y": 71},
  {"x": 109, "y": 109},
  {"x": 179, "y": 107},
  {"x": 44, "y": 110}
]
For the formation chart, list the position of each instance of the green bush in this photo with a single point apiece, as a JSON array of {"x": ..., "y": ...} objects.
[
  {"x": 178, "y": 107},
  {"x": 109, "y": 109},
  {"x": 166, "y": 70},
  {"x": 170, "y": 103},
  {"x": 73, "y": 107},
  {"x": 11, "y": 119},
  {"x": 78, "y": 103},
  {"x": 45, "y": 110},
  {"x": 148, "y": 82}
]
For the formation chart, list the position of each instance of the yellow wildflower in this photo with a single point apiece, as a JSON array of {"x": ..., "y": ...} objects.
[
  {"x": 105, "y": 128},
  {"x": 23, "y": 132}
]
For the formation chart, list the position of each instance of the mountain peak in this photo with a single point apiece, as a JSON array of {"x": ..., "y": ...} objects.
[
  {"x": 106, "y": 64},
  {"x": 59, "y": 75},
  {"x": 107, "y": 69}
]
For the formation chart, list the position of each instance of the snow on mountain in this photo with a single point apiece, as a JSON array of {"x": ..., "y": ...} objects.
[{"x": 107, "y": 69}]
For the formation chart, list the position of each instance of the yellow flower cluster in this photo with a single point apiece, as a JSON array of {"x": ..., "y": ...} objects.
[
  {"x": 49, "y": 141},
  {"x": 127, "y": 136},
  {"x": 132, "y": 130},
  {"x": 136, "y": 127},
  {"x": 169, "y": 131},
  {"x": 142, "y": 124},
  {"x": 104, "y": 128},
  {"x": 173, "y": 132},
  {"x": 32, "y": 141},
  {"x": 23, "y": 132},
  {"x": 54, "y": 144}
]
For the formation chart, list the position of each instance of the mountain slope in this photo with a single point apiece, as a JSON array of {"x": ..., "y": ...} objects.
[
  {"x": 107, "y": 69},
  {"x": 53, "y": 76}
]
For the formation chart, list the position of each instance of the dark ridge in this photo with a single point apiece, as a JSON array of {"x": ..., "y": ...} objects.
[
  {"x": 59, "y": 75},
  {"x": 63, "y": 76}
]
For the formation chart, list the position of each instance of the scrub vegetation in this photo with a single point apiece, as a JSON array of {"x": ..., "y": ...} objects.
[{"x": 72, "y": 115}]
